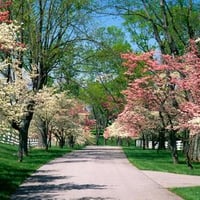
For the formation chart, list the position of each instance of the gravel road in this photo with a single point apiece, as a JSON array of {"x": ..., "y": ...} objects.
[{"x": 94, "y": 173}]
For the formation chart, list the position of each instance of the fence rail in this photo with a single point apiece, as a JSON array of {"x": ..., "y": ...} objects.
[
  {"x": 179, "y": 144},
  {"x": 14, "y": 140}
]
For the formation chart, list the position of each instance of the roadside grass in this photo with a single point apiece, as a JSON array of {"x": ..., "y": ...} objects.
[
  {"x": 162, "y": 161},
  {"x": 188, "y": 193},
  {"x": 13, "y": 173},
  {"x": 113, "y": 141},
  {"x": 159, "y": 161}
]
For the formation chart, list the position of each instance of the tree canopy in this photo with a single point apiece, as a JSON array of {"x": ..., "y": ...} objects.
[{"x": 143, "y": 81}]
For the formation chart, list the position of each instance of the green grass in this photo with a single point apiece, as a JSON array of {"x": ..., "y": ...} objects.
[
  {"x": 162, "y": 161},
  {"x": 113, "y": 141},
  {"x": 159, "y": 161},
  {"x": 188, "y": 193},
  {"x": 13, "y": 173}
]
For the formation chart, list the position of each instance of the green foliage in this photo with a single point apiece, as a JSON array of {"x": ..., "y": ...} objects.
[
  {"x": 141, "y": 32},
  {"x": 13, "y": 173},
  {"x": 159, "y": 161},
  {"x": 152, "y": 24},
  {"x": 93, "y": 93},
  {"x": 114, "y": 141},
  {"x": 105, "y": 79},
  {"x": 57, "y": 30}
]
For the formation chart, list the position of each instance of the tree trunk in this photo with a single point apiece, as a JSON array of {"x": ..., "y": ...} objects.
[
  {"x": 45, "y": 141},
  {"x": 147, "y": 142},
  {"x": 98, "y": 133},
  {"x": 22, "y": 128},
  {"x": 161, "y": 139},
  {"x": 20, "y": 148},
  {"x": 44, "y": 133},
  {"x": 24, "y": 132},
  {"x": 119, "y": 141},
  {"x": 97, "y": 138},
  {"x": 194, "y": 148},
  {"x": 62, "y": 142},
  {"x": 49, "y": 140},
  {"x": 25, "y": 141},
  {"x": 186, "y": 147},
  {"x": 71, "y": 141},
  {"x": 23, "y": 138},
  {"x": 143, "y": 142},
  {"x": 172, "y": 146}
]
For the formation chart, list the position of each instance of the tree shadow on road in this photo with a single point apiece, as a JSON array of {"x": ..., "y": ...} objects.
[
  {"x": 49, "y": 191},
  {"x": 40, "y": 186},
  {"x": 95, "y": 153},
  {"x": 94, "y": 198}
]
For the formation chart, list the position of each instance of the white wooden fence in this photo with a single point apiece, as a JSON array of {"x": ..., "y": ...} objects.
[
  {"x": 179, "y": 144},
  {"x": 13, "y": 139}
]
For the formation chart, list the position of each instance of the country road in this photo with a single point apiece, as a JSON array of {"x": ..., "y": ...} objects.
[{"x": 94, "y": 173}]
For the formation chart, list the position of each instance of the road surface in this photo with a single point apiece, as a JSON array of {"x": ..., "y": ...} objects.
[{"x": 96, "y": 173}]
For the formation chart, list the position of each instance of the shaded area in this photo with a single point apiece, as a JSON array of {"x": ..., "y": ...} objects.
[
  {"x": 91, "y": 174},
  {"x": 45, "y": 178},
  {"x": 51, "y": 188},
  {"x": 46, "y": 184},
  {"x": 13, "y": 173},
  {"x": 71, "y": 160},
  {"x": 94, "y": 154},
  {"x": 35, "y": 197},
  {"x": 94, "y": 198},
  {"x": 49, "y": 191},
  {"x": 10, "y": 178}
]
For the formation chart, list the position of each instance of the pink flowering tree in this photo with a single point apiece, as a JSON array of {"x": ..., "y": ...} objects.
[
  {"x": 167, "y": 88},
  {"x": 188, "y": 85}
]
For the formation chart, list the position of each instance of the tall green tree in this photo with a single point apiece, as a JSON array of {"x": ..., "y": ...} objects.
[
  {"x": 51, "y": 28},
  {"x": 172, "y": 23},
  {"x": 166, "y": 24},
  {"x": 56, "y": 28},
  {"x": 105, "y": 77}
]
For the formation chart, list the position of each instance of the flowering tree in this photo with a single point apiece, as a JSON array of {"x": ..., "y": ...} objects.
[
  {"x": 168, "y": 86},
  {"x": 46, "y": 107},
  {"x": 18, "y": 87},
  {"x": 16, "y": 98},
  {"x": 72, "y": 124},
  {"x": 189, "y": 85},
  {"x": 62, "y": 117}
]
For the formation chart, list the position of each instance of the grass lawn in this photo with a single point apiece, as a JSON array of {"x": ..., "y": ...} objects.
[
  {"x": 13, "y": 173},
  {"x": 188, "y": 193},
  {"x": 162, "y": 161}
]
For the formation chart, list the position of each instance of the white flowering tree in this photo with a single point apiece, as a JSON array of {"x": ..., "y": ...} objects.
[
  {"x": 60, "y": 116},
  {"x": 45, "y": 109},
  {"x": 16, "y": 97},
  {"x": 71, "y": 123}
]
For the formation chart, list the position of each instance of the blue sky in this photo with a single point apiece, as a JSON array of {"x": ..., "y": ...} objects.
[{"x": 109, "y": 20}]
